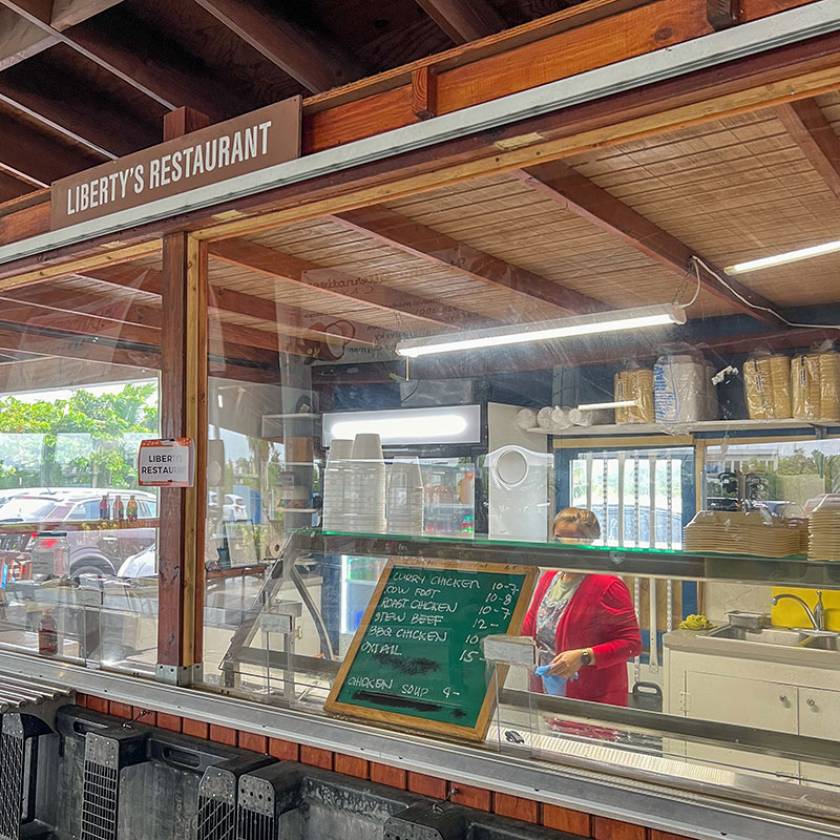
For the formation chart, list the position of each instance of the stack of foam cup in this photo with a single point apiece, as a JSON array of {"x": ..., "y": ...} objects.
[
  {"x": 335, "y": 480},
  {"x": 404, "y": 498},
  {"x": 363, "y": 508}
]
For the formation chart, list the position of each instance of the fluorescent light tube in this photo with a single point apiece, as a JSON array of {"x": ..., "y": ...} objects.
[
  {"x": 407, "y": 426},
  {"x": 594, "y": 324},
  {"x": 787, "y": 257},
  {"x": 616, "y": 404}
]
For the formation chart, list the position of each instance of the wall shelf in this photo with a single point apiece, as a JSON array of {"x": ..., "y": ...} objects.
[{"x": 737, "y": 427}]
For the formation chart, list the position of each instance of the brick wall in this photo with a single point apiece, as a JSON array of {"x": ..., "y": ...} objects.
[{"x": 576, "y": 823}]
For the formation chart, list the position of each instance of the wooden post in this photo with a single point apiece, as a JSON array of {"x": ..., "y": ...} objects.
[
  {"x": 182, "y": 121},
  {"x": 181, "y": 570},
  {"x": 424, "y": 93},
  {"x": 183, "y": 414}
]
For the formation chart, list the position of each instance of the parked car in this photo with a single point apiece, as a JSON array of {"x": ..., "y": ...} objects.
[
  {"x": 233, "y": 509},
  {"x": 140, "y": 565},
  {"x": 56, "y": 552}
]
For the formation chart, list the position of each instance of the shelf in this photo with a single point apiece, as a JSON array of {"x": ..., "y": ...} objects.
[
  {"x": 699, "y": 427},
  {"x": 662, "y": 563}
]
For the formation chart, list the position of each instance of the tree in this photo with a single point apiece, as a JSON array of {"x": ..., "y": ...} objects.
[{"x": 87, "y": 440}]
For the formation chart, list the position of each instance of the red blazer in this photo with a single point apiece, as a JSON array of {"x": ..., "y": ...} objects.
[{"x": 599, "y": 616}]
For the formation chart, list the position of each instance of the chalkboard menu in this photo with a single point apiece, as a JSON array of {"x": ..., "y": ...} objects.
[{"x": 416, "y": 659}]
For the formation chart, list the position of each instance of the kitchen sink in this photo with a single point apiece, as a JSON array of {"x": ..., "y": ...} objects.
[{"x": 810, "y": 639}]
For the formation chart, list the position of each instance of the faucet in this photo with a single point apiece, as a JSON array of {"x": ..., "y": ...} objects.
[{"x": 815, "y": 616}]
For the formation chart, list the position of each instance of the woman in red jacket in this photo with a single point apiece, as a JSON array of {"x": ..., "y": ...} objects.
[{"x": 585, "y": 625}]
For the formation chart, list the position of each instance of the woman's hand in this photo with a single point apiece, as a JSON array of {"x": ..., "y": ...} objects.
[{"x": 566, "y": 664}]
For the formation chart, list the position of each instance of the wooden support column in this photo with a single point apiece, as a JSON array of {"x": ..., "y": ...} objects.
[
  {"x": 183, "y": 414},
  {"x": 182, "y": 121}
]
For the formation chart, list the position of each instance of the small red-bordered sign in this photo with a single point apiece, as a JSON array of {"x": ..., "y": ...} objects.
[{"x": 166, "y": 463}]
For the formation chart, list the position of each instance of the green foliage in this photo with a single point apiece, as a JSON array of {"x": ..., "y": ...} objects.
[{"x": 86, "y": 440}]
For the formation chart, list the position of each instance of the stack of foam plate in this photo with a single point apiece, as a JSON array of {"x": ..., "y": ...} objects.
[
  {"x": 753, "y": 532},
  {"x": 824, "y": 530}
]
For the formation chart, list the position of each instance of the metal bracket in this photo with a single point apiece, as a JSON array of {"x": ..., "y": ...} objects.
[
  {"x": 180, "y": 675},
  {"x": 722, "y": 14}
]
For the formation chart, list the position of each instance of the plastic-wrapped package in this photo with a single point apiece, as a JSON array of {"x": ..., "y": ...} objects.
[
  {"x": 681, "y": 388},
  {"x": 544, "y": 418},
  {"x": 767, "y": 387},
  {"x": 554, "y": 419},
  {"x": 636, "y": 384},
  {"x": 829, "y": 386},
  {"x": 560, "y": 419},
  {"x": 815, "y": 384},
  {"x": 805, "y": 387},
  {"x": 589, "y": 417},
  {"x": 526, "y": 419}
]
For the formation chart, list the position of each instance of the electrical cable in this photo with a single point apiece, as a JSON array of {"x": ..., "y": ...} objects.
[
  {"x": 697, "y": 261},
  {"x": 693, "y": 300}
]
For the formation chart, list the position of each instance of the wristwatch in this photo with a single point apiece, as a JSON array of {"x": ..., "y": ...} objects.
[{"x": 587, "y": 657}]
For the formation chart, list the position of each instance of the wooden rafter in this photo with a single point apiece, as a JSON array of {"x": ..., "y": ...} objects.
[
  {"x": 278, "y": 265},
  {"x": 75, "y": 347},
  {"x": 33, "y": 158},
  {"x": 153, "y": 74},
  {"x": 464, "y": 20},
  {"x": 85, "y": 121},
  {"x": 314, "y": 62},
  {"x": 397, "y": 231},
  {"x": 96, "y": 313},
  {"x": 38, "y": 317},
  {"x": 223, "y": 300},
  {"x": 807, "y": 125},
  {"x": 94, "y": 304},
  {"x": 21, "y": 39},
  {"x": 577, "y": 194}
]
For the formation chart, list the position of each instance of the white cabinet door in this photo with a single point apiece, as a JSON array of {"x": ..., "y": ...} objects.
[
  {"x": 763, "y": 705},
  {"x": 734, "y": 759},
  {"x": 819, "y": 712}
]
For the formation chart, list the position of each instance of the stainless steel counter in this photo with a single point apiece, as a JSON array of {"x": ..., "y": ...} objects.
[
  {"x": 752, "y": 648},
  {"x": 668, "y": 794}
]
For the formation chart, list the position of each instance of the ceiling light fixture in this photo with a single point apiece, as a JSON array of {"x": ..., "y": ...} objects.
[
  {"x": 577, "y": 325},
  {"x": 787, "y": 257}
]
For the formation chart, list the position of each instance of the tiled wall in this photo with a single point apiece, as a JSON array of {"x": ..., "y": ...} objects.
[{"x": 551, "y": 816}]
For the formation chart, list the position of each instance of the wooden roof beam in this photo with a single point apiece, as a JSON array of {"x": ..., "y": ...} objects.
[
  {"x": 75, "y": 347},
  {"x": 85, "y": 121},
  {"x": 233, "y": 301},
  {"x": 313, "y": 61},
  {"x": 80, "y": 303},
  {"x": 327, "y": 281},
  {"x": 464, "y": 20},
  {"x": 92, "y": 313},
  {"x": 37, "y": 317},
  {"x": 813, "y": 133},
  {"x": 578, "y": 195},
  {"x": 397, "y": 231},
  {"x": 34, "y": 158},
  {"x": 153, "y": 74},
  {"x": 20, "y": 38}
]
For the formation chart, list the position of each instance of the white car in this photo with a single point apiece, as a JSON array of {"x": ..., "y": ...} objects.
[{"x": 234, "y": 508}]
